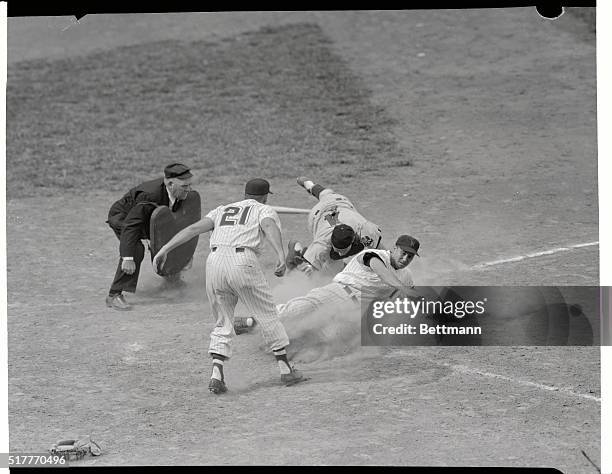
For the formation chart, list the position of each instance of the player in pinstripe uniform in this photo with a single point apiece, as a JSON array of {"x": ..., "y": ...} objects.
[
  {"x": 338, "y": 232},
  {"x": 233, "y": 273},
  {"x": 372, "y": 273}
]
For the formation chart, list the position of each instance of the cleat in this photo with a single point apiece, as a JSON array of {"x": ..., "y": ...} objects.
[
  {"x": 217, "y": 386},
  {"x": 301, "y": 180},
  {"x": 244, "y": 325},
  {"x": 293, "y": 377},
  {"x": 118, "y": 302}
]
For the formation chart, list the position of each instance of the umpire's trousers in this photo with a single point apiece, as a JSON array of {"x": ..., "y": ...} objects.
[{"x": 123, "y": 281}]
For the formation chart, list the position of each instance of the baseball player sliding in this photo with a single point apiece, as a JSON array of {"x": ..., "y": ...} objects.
[
  {"x": 338, "y": 231},
  {"x": 233, "y": 273},
  {"x": 372, "y": 273}
]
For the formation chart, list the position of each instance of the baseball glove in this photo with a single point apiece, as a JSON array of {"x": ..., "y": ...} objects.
[
  {"x": 294, "y": 257},
  {"x": 76, "y": 448}
]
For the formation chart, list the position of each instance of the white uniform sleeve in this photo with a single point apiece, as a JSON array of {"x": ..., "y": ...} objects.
[
  {"x": 212, "y": 215},
  {"x": 370, "y": 235},
  {"x": 267, "y": 211},
  {"x": 317, "y": 254},
  {"x": 363, "y": 253}
]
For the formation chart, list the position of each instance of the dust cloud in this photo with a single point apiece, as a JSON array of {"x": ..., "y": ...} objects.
[
  {"x": 437, "y": 271},
  {"x": 152, "y": 285},
  {"x": 330, "y": 332}
]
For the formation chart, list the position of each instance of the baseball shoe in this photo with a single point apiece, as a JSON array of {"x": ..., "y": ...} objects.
[
  {"x": 301, "y": 180},
  {"x": 293, "y": 377},
  {"x": 217, "y": 386},
  {"x": 118, "y": 302},
  {"x": 244, "y": 325}
]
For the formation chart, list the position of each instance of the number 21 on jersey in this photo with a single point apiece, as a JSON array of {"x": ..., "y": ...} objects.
[{"x": 235, "y": 215}]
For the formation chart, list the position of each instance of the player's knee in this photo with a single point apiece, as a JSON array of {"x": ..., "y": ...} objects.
[
  {"x": 275, "y": 336},
  {"x": 279, "y": 344}
]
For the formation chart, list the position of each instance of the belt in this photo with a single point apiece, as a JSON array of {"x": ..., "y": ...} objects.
[
  {"x": 237, "y": 249},
  {"x": 350, "y": 292}
]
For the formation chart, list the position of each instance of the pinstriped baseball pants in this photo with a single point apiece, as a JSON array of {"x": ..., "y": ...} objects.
[
  {"x": 331, "y": 297},
  {"x": 233, "y": 276},
  {"x": 327, "y": 199}
]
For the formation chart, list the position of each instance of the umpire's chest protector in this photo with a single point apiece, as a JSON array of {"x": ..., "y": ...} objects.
[{"x": 165, "y": 224}]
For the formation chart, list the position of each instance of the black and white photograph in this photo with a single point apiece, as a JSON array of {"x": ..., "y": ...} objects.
[{"x": 204, "y": 208}]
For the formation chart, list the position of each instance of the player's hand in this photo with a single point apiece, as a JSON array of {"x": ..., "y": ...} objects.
[
  {"x": 128, "y": 266},
  {"x": 158, "y": 261},
  {"x": 280, "y": 268},
  {"x": 307, "y": 268}
]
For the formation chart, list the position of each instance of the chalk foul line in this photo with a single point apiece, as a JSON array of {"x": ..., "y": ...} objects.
[
  {"x": 465, "y": 370},
  {"x": 470, "y": 371},
  {"x": 532, "y": 255}
]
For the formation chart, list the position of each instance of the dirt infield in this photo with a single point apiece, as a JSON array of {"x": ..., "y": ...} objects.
[{"x": 473, "y": 131}]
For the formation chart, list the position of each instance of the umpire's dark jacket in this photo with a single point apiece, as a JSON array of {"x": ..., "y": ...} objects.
[
  {"x": 130, "y": 219},
  {"x": 130, "y": 216}
]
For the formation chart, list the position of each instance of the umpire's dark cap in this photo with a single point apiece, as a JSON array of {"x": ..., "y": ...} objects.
[
  {"x": 257, "y": 187},
  {"x": 342, "y": 236},
  {"x": 408, "y": 244},
  {"x": 178, "y": 171}
]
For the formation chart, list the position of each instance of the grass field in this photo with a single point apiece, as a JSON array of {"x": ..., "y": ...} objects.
[{"x": 474, "y": 131}]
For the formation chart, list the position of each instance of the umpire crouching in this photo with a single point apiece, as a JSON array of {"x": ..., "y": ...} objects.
[{"x": 130, "y": 216}]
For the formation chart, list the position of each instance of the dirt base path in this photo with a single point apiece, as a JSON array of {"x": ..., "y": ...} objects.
[{"x": 474, "y": 131}]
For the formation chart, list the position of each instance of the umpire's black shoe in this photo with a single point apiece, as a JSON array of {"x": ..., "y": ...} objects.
[
  {"x": 117, "y": 302},
  {"x": 217, "y": 386}
]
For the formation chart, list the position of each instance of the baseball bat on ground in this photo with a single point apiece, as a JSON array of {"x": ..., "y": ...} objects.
[{"x": 290, "y": 210}]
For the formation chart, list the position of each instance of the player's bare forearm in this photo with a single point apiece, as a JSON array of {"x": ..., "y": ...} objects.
[
  {"x": 273, "y": 234},
  {"x": 188, "y": 233}
]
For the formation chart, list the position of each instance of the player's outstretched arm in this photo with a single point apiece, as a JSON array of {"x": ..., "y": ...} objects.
[
  {"x": 390, "y": 278},
  {"x": 273, "y": 234},
  {"x": 203, "y": 225},
  {"x": 314, "y": 256}
]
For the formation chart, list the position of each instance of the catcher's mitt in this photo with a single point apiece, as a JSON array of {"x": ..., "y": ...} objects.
[
  {"x": 294, "y": 257},
  {"x": 76, "y": 448}
]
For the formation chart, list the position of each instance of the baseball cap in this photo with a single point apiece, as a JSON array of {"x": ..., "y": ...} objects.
[
  {"x": 177, "y": 170},
  {"x": 408, "y": 244},
  {"x": 257, "y": 187},
  {"x": 342, "y": 236}
]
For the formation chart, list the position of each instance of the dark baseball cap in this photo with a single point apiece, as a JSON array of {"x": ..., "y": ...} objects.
[
  {"x": 178, "y": 171},
  {"x": 408, "y": 244},
  {"x": 257, "y": 187},
  {"x": 342, "y": 236}
]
